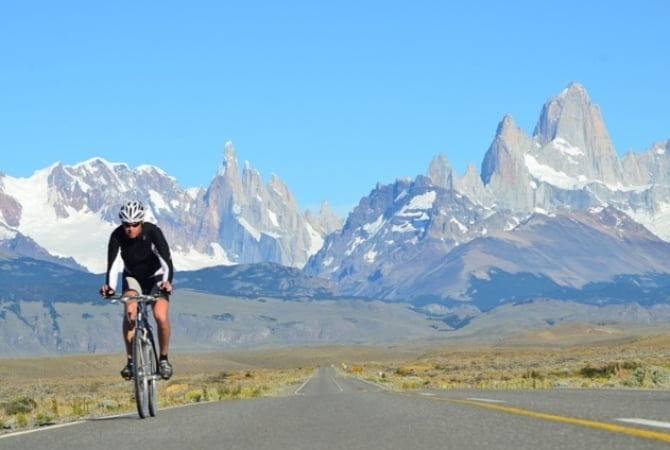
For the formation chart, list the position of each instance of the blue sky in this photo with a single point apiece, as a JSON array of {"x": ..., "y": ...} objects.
[{"x": 332, "y": 97}]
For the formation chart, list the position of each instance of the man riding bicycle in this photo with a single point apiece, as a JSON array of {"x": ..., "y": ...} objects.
[{"x": 139, "y": 251}]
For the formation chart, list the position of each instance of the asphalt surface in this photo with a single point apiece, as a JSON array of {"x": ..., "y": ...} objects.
[{"x": 332, "y": 411}]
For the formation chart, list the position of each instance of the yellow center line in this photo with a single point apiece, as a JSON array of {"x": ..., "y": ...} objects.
[{"x": 615, "y": 428}]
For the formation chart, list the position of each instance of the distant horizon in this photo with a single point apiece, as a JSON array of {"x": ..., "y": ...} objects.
[{"x": 331, "y": 98}]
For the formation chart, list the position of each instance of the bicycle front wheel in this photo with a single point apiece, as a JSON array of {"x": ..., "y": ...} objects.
[
  {"x": 140, "y": 357},
  {"x": 152, "y": 366}
]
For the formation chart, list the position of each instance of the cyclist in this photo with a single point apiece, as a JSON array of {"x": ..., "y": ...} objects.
[{"x": 139, "y": 251}]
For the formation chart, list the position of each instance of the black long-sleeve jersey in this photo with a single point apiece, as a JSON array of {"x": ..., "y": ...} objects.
[{"x": 145, "y": 256}]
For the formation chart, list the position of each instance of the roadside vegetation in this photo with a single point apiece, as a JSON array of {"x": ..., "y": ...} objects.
[
  {"x": 39, "y": 392},
  {"x": 31, "y": 397},
  {"x": 639, "y": 364}
]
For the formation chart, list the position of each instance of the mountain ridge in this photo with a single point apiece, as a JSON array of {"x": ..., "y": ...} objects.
[{"x": 555, "y": 215}]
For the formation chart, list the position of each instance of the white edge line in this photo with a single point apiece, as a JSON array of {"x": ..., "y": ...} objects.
[
  {"x": 337, "y": 384},
  {"x": 44, "y": 428},
  {"x": 297, "y": 391},
  {"x": 650, "y": 423},
  {"x": 485, "y": 400},
  {"x": 97, "y": 418}
]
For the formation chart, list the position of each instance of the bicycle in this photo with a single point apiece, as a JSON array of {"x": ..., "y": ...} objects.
[{"x": 145, "y": 359}]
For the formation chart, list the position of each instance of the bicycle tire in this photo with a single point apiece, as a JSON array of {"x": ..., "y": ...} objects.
[
  {"x": 140, "y": 375},
  {"x": 152, "y": 359}
]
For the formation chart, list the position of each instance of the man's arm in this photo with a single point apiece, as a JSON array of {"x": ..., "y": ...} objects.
[
  {"x": 162, "y": 250},
  {"x": 114, "y": 263}
]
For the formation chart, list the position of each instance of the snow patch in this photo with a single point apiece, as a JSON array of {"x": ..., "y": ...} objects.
[
  {"x": 6, "y": 233},
  {"x": 193, "y": 260},
  {"x": 193, "y": 192},
  {"x": 657, "y": 222},
  {"x": 463, "y": 229},
  {"x": 404, "y": 228},
  {"x": 149, "y": 169},
  {"x": 416, "y": 207},
  {"x": 550, "y": 175},
  {"x": 423, "y": 201},
  {"x": 374, "y": 227},
  {"x": 273, "y": 218},
  {"x": 567, "y": 148},
  {"x": 158, "y": 202},
  {"x": 370, "y": 256},
  {"x": 353, "y": 245},
  {"x": 402, "y": 195},
  {"x": 315, "y": 239},
  {"x": 82, "y": 235},
  {"x": 328, "y": 261},
  {"x": 249, "y": 228}
]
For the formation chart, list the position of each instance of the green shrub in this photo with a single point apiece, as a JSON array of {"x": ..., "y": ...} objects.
[
  {"x": 20, "y": 405},
  {"x": 54, "y": 407},
  {"x": 225, "y": 391},
  {"x": 651, "y": 376},
  {"x": 79, "y": 406},
  {"x": 21, "y": 420},
  {"x": 609, "y": 369},
  {"x": 194, "y": 396},
  {"x": 44, "y": 419}
]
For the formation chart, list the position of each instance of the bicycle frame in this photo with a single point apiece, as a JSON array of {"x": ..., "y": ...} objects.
[{"x": 145, "y": 357}]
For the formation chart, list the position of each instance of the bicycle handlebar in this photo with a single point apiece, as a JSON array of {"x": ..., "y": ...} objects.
[{"x": 140, "y": 298}]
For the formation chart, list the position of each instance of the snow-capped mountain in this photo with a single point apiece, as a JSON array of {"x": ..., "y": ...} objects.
[
  {"x": 570, "y": 163},
  {"x": 71, "y": 210},
  {"x": 559, "y": 205},
  {"x": 556, "y": 215}
]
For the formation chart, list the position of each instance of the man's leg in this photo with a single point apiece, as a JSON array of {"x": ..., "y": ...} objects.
[
  {"x": 161, "y": 309},
  {"x": 129, "y": 315},
  {"x": 128, "y": 328}
]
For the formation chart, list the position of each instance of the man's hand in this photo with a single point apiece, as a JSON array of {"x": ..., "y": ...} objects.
[
  {"x": 165, "y": 286},
  {"x": 106, "y": 291}
]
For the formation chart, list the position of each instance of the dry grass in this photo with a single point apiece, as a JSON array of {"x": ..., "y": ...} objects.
[
  {"x": 633, "y": 363},
  {"x": 43, "y": 391}
]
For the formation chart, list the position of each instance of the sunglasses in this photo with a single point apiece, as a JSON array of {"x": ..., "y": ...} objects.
[{"x": 131, "y": 225}]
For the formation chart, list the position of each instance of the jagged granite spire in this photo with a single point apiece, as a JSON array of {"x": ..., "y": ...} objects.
[
  {"x": 504, "y": 170},
  {"x": 255, "y": 222},
  {"x": 441, "y": 173},
  {"x": 573, "y": 138}
]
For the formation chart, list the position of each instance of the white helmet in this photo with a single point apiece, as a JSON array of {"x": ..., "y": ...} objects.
[{"x": 132, "y": 212}]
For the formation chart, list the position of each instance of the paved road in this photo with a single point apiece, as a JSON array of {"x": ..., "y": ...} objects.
[{"x": 331, "y": 411}]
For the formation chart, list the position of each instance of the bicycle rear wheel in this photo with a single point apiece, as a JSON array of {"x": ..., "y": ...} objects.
[{"x": 140, "y": 357}]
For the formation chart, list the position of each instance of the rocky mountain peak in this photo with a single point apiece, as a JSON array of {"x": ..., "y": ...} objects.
[
  {"x": 10, "y": 210},
  {"x": 564, "y": 114},
  {"x": 229, "y": 163},
  {"x": 506, "y": 128},
  {"x": 440, "y": 171},
  {"x": 237, "y": 219},
  {"x": 325, "y": 223},
  {"x": 570, "y": 149},
  {"x": 555, "y": 205},
  {"x": 573, "y": 138},
  {"x": 504, "y": 166},
  {"x": 426, "y": 237}
]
